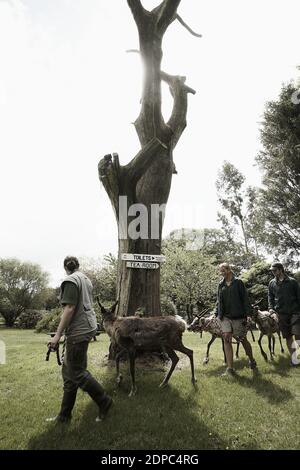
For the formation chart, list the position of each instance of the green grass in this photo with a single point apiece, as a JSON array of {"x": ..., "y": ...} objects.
[{"x": 244, "y": 413}]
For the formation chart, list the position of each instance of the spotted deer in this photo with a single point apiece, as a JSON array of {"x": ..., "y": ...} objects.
[
  {"x": 210, "y": 323},
  {"x": 268, "y": 325}
]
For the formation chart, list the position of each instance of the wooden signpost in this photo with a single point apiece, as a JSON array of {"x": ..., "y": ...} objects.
[{"x": 141, "y": 261}]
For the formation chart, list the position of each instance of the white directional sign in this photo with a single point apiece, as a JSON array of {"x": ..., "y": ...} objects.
[
  {"x": 141, "y": 257},
  {"x": 141, "y": 265}
]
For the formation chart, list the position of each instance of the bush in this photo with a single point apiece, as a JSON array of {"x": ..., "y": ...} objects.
[
  {"x": 29, "y": 318},
  {"x": 49, "y": 322}
]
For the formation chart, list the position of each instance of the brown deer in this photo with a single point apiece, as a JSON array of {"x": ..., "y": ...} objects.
[{"x": 151, "y": 333}]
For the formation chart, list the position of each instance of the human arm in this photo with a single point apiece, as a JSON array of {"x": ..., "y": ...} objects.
[
  {"x": 66, "y": 317},
  {"x": 69, "y": 300},
  {"x": 271, "y": 299},
  {"x": 245, "y": 299},
  {"x": 297, "y": 293}
]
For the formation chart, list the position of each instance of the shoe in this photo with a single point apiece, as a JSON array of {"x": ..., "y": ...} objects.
[
  {"x": 229, "y": 373},
  {"x": 252, "y": 364},
  {"x": 104, "y": 409},
  {"x": 59, "y": 419}
]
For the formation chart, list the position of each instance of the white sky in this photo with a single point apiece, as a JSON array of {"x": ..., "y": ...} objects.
[{"x": 69, "y": 93}]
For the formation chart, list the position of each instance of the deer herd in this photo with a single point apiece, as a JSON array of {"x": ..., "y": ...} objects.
[{"x": 132, "y": 334}]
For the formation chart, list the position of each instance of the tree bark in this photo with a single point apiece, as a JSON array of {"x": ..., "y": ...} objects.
[{"x": 147, "y": 178}]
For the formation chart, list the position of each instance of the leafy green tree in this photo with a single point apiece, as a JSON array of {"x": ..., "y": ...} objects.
[
  {"x": 189, "y": 278},
  {"x": 21, "y": 287},
  {"x": 211, "y": 242},
  {"x": 241, "y": 210},
  {"x": 103, "y": 275},
  {"x": 280, "y": 163},
  {"x": 230, "y": 194},
  {"x": 257, "y": 279},
  {"x": 49, "y": 298}
]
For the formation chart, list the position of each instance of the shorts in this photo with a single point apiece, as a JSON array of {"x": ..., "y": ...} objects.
[
  {"x": 237, "y": 327},
  {"x": 289, "y": 325}
]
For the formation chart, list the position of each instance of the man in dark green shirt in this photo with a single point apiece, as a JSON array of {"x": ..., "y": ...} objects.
[
  {"x": 284, "y": 299},
  {"x": 232, "y": 309}
]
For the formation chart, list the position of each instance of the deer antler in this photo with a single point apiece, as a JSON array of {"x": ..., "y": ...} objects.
[
  {"x": 202, "y": 313},
  {"x": 256, "y": 304}
]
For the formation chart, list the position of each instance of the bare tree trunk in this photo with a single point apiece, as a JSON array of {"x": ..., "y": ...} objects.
[
  {"x": 244, "y": 235},
  {"x": 147, "y": 178}
]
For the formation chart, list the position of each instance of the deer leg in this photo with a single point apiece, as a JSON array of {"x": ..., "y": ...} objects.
[
  {"x": 189, "y": 353},
  {"x": 273, "y": 345},
  {"x": 131, "y": 353},
  {"x": 237, "y": 349},
  {"x": 119, "y": 376},
  {"x": 223, "y": 348},
  {"x": 279, "y": 336},
  {"x": 261, "y": 349},
  {"x": 270, "y": 346},
  {"x": 253, "y": 337},
  {"x": 174, "y": 358},
  {"x": 206, "y": 359}
]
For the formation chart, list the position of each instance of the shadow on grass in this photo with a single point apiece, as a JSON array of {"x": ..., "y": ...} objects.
[
  {"x": 153, "y": 419},
  {"x": 282, "y": 366},
  {"x": 274, "y": 393}
]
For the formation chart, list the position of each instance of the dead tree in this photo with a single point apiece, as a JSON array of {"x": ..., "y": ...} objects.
[{"x": 146, "y": 179}]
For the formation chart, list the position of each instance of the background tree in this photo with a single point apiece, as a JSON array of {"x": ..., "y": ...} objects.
[
  {"x": 22, "y": 286},
  {"x": 189, "y": 279},
  {"x": 49, "y": 298},
  {"x": 230, "y": 194},
  {"x": 257, "y": 279},
  {"x": 147, "y": 178},
  {"x": 280, "y": 163},
  {"x": 241, "y": 203},
  {"x": 211, "y": 242},
  {"x": 103, "y": 275}
]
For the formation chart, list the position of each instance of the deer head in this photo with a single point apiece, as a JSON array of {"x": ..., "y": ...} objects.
[
  {"x": 107, "y": 314},
  {"x": 255, "y": 307},
  {"x": 196, "y": 324}
]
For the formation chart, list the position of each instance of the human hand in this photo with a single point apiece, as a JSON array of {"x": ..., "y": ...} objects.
[{"x": 54, "y": 342}]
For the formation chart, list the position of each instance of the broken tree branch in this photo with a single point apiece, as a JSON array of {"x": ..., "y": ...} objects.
[
  {"x": 135, "y": 169},
  {"x": 166, "y": 14},
  {"x": 187, "y": 27}
]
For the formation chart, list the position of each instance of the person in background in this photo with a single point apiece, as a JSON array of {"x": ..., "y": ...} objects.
[
  {"x": 284, "y": 299},
  {"x": 232, "y": 310}
]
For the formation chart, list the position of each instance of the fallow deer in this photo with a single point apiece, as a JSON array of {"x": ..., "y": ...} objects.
[
  {"x": 210, "y": 323},
  {"x": 268, "y": 325}
]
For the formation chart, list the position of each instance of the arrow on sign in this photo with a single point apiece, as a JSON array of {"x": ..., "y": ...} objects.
[{"x": 143, "y": 257}]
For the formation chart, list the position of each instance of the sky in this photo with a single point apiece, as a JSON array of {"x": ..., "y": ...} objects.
[{"x": 69, "y": 93}]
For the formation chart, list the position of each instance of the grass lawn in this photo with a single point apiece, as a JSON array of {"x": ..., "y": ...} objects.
[{"x": 244, "y": 413}]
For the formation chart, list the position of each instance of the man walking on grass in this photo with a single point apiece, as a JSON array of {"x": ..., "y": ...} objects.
[
  {"x": 284, "y": 299},
  {"x": 232, "y": 309}
]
